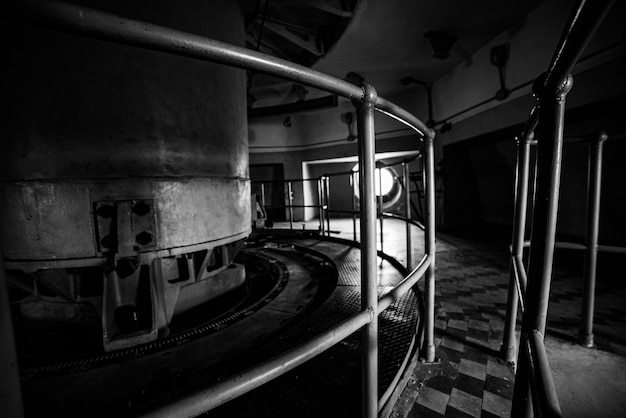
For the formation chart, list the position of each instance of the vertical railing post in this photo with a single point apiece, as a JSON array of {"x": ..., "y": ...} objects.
[
  {"x": 549, "y": 156},
  {"x": 353, "y": 184},
  {"x": 10, "y": 388},
  {"x": 522, "y": 171},
  {"x": 263, "y": 202},
  {"x": 407, "y": 202},
  {"x": 327, "y": 203},
  {"x": 290, "y": 201},
  {"x": 594, "y": 184},
  {"x": 380, "y": 206},
  {"x": 369, "y": 285},
  {"x": 428, "y": 168},
  {"x": 320, "y": 205},
  {"x": 324, "y": 204}
]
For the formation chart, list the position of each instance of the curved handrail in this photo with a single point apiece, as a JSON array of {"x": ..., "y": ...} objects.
[
  {"x": 405, "y": 219},
  {"x": 98, "y": 24},
  {"x": 106, "y": 26},
  {"x": 579, "y": 30},
  {"x": 546, "y": 117},
  {"x": 207, "y": 398}
]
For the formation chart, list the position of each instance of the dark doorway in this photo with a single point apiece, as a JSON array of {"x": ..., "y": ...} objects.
[
  {"x": 268, "y": 181},
  {"x": 479, "y": 176}
]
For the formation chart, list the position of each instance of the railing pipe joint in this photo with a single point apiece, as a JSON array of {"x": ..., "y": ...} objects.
[
  {"x": 369, "y": 95},
  {"x": 599, "y": 137},
  {"x": 544, "y": 89}
]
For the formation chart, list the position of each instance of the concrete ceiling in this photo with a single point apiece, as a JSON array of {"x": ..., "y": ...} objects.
[{"x": 383, "y": 41}]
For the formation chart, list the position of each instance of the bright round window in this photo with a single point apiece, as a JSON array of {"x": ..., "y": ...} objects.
[{"x": 384, "y": 181}]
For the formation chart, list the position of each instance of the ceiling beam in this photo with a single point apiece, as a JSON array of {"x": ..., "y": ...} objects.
[
  {"x": 330, "y": 7},
  {"x": 311, "y": 44},
  {"x": 325, "y": 102},
  {"x": 267, "y": 46}
]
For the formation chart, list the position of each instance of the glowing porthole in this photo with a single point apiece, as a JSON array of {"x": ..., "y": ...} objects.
[{"x": 384, "y": 181}]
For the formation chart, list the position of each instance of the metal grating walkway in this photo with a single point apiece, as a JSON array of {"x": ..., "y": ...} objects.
[
  {"x": 330, "y": 385},
  {"x": 317, "y": 287}
]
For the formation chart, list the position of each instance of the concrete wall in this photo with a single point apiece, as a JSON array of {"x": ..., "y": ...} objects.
[
  {"x": 531, "y": 44},
  {"x": 327, "y": 127},
  {"x": 340, "y": 190},
  {"x": 295, "y": 167},
  {"x": 481, "y": 191},
  {"x": 479, "y": 173}
]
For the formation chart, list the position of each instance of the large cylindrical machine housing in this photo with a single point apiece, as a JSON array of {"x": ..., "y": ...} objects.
[{"x": 123, "y": 158}]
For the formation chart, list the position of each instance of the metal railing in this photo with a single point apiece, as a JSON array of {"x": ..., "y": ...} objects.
[
  {"x": 105, "y": 26},
  {"x": 591, "y": 247},
  {"x": 322, "y": 191},
  {"x": 534, "y": 388}
]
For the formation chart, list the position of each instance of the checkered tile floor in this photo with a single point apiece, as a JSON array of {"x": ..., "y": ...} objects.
[
  {"x": 609, "y": 322},
  {"x": 470, "y": 380}
]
